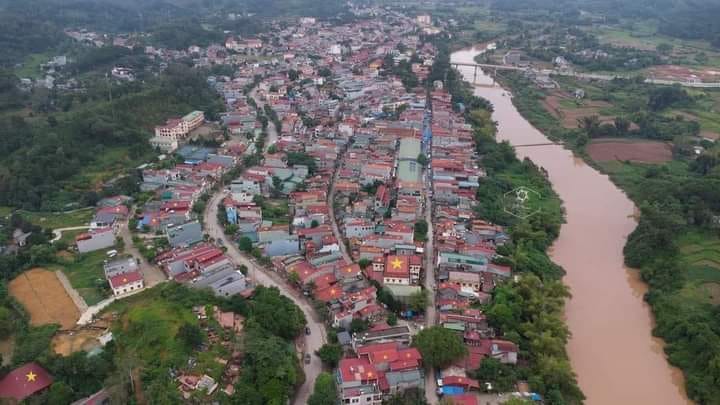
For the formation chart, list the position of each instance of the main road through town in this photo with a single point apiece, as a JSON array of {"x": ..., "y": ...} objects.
[
  {"x": 272, "y": 133},
  {"x": 260, "y": 275},
  {"x": 331, "y": 210},
  {"x": 429, "y": 265}
]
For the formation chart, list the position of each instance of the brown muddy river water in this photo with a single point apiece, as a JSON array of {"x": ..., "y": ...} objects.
[{"x": 616, "y": 359}]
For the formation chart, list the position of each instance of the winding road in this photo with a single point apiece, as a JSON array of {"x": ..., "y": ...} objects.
[{"x": 260, "y": 275}]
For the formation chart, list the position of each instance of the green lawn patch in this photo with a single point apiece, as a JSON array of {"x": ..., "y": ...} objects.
[
  {"x": 86, "y": 274},
  {"x": 31, "y": 66},
  {"x": 276, "y": 211},
  {"x": 5, "y": 211},
  {"x": 54, "y": 220}
]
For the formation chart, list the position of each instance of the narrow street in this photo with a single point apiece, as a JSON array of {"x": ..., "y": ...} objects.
[
  {"x": 429, "y": 265},
  {"x": 331, "y": 209},
  {"x": 259, "y": 275},
  {"x": 151, "y": 273},
  {"x": 429, "y": 260},
  {"x": 272, "y": 134}
]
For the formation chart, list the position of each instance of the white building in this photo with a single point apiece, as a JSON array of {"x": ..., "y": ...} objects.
[
  {"x": 169, "y": 136},
  {"x": 423, "y": 19},
  {"x": 126, "y": 282}
]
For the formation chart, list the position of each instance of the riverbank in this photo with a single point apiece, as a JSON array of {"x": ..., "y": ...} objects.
[
  {"x": 612, "y": 349},
  {"x": 675, "y": 247}
]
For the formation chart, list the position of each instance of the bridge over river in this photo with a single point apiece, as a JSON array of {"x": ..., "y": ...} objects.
[{"x": 588, "y": 76}]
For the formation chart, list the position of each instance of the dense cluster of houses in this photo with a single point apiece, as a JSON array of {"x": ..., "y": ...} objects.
[
  {"x": 189, "y": 258},
  {"x": 465, "y": 248},
  {"x": 351, "y": 166}
]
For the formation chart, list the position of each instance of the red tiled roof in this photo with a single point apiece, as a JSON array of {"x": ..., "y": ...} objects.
[
  {"x": 464, "y": 399},
  {"x": 357, "y": 370},
  {"x": 125, "y": 279},
  {"x": 461, "y": 381},
  {"x": 397, "y": 266},
  {"x": 24, "y": 381}
]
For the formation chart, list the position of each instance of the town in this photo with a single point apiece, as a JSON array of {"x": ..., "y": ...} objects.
[
  {"x": 333, "y": 176},
  {"x": 319, "y": 206}
]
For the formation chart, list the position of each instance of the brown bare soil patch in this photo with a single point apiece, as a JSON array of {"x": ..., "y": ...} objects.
[
  {"x": 44, "y": 297},
  {"x": 603, "y": 150},
  {"x": 82, "y": 337},
  {"x": 713, "y": 292},
  {"x": 569, "y": 116},
  {"x": 66, "y": 343},
  {"x": 710, "y": 135},
  {"x": 683, "y": 73},
  {"x": 6, "y": 350}
]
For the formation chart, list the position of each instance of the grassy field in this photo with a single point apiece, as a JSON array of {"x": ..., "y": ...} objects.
[
  {"x": 60, "y": 220},
  {"x": 85, "y": 272},
  {"x": 276, "y": 211},
  {"x": 700, "y": 253},
  {"x": 5, "y": 211},
  {"x": 31, "y": 66},
  {"x": 112, "y": 162},
  {"x": 490, "y": 26},
  {"x": 147, "y": 328}
]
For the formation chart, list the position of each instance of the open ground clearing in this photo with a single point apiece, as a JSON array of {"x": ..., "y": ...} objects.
[
  {"x": 44, "y": 298},
  {"x": 565, "y": 108},
  {"x": 643, "y": 151}
]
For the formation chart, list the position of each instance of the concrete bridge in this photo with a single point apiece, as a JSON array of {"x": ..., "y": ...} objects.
[{"x": 590, "y": 76}]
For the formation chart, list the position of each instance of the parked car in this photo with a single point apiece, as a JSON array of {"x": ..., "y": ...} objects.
[
  {"x": 307, "y": 358},
  {"x": 307, "y": 330}
]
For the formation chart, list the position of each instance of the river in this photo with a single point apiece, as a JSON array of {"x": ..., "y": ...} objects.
[{"x": 612, "y": 350}]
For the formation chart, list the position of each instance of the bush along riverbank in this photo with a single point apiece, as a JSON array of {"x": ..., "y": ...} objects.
[{"x": 676, "y": 245}]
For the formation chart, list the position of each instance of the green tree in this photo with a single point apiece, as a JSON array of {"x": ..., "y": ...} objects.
[
  {"x": 364, "y": 263},
  {"x": 418, "y": 301},
  {"x": 277, "y": 313},
  {"x": 325, "y": 391},
  {"x": 664, "y": 48},
  {"x": 358, "y": 325},
  {"x": 6, "y": 323},
  {"x": 439, "y": 347},
  {"x": 421, "y": 230},
  {"x": 330, "y": 354},
  {"x": 392, "y": 319},
  {"x": 60, "y": 393},
  {"x": 190, "y": 335},
  {"x": 422, "y": 160},
  {"x": 245, "y": 244}
]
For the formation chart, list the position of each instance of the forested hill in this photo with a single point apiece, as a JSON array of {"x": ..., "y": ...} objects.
[
  {"x": 48, "y": 163},
  {"x": 687, "y": 19},
  {"x": 35, "y": 26}
]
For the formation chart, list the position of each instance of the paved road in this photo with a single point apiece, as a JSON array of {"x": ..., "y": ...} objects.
[
  {"x": 430, "y": 312},
  {"x": 272, "y": 135},
  {"x": 57, "y": 233},
  {"x": 151, "y": 273},
  {"x": 266, "y": 277},
  {"x": 331, "y": 203}
]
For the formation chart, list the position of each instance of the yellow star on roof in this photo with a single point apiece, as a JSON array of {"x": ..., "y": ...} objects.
[
  {"x": 397, "y": 263},
  {"x": 31, "y": 376}
]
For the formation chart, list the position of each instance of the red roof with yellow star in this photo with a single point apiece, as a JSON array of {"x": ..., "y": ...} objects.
[
  {"x": 397, "y": 266},
  {"x": 24, "y": 381}
]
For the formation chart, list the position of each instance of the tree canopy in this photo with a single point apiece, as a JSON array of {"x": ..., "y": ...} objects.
[{"x": 439, "y": 346}]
